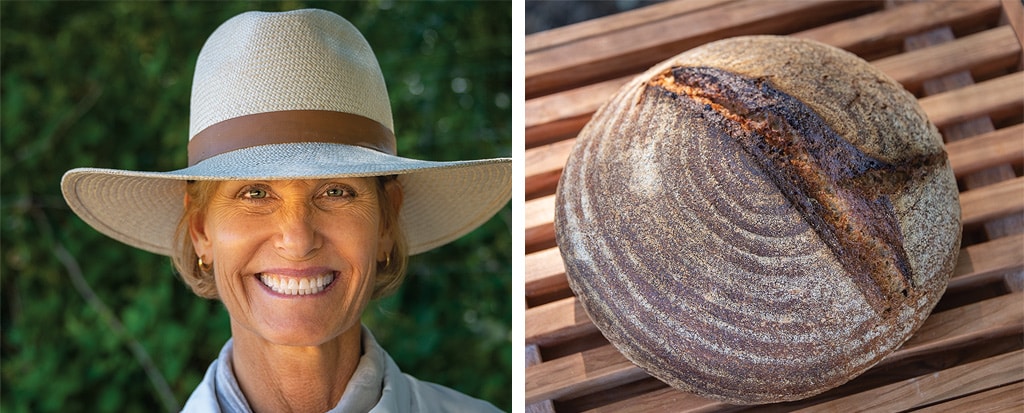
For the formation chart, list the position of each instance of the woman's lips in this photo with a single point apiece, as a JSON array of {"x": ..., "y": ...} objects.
[{"x": 295, "y": 282}]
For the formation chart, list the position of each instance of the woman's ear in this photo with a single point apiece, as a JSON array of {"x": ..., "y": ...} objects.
[
  {"x": 197, "y": 231},
  {"x": 393, "y": 196}
]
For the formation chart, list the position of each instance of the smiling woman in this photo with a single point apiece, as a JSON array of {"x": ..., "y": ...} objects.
[
  {"x": 295, "y": 211},
  {"x": 297, "y": 260},
  {"x": 262, "y": 200}
]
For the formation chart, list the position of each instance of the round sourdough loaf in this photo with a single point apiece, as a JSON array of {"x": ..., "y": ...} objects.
[{"x": 759, "y": 219}]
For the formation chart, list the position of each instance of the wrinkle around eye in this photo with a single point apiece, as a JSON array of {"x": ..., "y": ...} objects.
[
  {"x": 357, "y": 201},
  {"x": 240, "y": 200}
]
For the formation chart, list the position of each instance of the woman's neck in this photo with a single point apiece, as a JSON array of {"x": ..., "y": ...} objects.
[{"x": 276, "y": 378}]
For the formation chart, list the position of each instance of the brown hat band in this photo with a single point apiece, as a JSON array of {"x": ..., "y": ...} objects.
[{"x": 290, "y": 126}]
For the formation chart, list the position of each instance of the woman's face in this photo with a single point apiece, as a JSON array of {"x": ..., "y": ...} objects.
[{"x": 294, "y": 261}]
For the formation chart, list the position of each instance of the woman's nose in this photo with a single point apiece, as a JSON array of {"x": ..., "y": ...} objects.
[{"x": 298, "y": 237}]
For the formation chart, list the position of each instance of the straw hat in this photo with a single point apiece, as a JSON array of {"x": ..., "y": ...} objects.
[{"x": 293, "y": 95}]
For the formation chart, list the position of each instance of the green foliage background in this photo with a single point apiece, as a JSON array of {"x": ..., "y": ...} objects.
[{"x": 107, "y": 85}]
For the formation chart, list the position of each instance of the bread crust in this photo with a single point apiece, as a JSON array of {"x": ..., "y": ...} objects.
[{"x": 759, "y": 219}]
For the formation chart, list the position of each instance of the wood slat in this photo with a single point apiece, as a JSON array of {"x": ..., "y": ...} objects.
[
  {"x": 1002, "y": 94},
  {"x": 662, "y": 400},
  {"x": 546, "y": 167},
  {"x": 993, "y": 201},
  {"x": 981, "y": 52},
  {"x": 539, "y": 223},
  {"x": 960, "y": 327},
  {"x": 553, "y": 117},
  {"x": 1013, "y": 12},
  {"x": 578, "y": 374},
  {"x": 557, "y": 322},
  {"x": 630, "y": 50},
  {"x": 984, "y": 263},
  {"x": 888, "y": 27},
  {"x": 595, "y": 370},
  {"x": 999, "y": 147},
  {"x": 532, "y": 359},
  {"x": 602, "y": 26},
  {"x": 1000, "y": 399},
  {"x": 545, "y": 273},
  {"x": 940, "y": 386}
]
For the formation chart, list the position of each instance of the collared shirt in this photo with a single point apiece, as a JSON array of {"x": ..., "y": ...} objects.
[{"x": 376, "y": 386}]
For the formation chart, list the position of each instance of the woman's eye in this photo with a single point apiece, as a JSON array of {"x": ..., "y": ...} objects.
[
  {"x": 254, "y": 193},
  {"x": 338, "y": 192}
]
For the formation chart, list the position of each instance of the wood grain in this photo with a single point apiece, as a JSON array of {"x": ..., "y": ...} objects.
[
  {"x": 601, "y": 27},
  {"x": 940, "y": 386},
  {"x": 1003, "y": 146},
  {"x": 887, "y": 28},
  {"x": 993, "y": 201},
  {"x": 997, "y": 96},
  {"x": 1006, "y": 398},
  {"x": 985, "y": 263},
  {"x": 982, "y": 52}
]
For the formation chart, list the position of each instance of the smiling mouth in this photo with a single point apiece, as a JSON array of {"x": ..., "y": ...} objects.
[{"x": 296, "y": 286}]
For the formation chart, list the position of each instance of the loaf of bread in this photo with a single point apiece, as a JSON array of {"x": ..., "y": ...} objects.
[{"x": 759, "y": 219}]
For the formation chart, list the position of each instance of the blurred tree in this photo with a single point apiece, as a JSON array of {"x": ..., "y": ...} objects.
[{"x": 107, "y": 85}]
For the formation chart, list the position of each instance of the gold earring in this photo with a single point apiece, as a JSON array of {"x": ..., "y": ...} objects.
[
  {"x": 387, "y": 261},
  {"x": 203, "y": 266}
]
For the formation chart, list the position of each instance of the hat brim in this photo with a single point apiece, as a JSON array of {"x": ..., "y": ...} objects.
[{"x": 442, "y": 200}]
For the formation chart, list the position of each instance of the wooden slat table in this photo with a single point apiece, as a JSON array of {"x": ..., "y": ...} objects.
[{"x": 962, "y": 59}]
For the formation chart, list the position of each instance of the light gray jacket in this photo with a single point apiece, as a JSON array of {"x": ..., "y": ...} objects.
[{"x": 376, "y": 386}]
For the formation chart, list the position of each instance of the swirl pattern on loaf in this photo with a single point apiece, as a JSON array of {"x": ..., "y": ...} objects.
[{"x": 759, "y": 219}]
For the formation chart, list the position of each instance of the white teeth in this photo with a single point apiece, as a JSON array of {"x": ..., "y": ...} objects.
[{"x": 296, "y": 286}]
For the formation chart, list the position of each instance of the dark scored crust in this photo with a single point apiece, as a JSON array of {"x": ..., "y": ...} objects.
[
  {"x": 839, "y": 190},
  {"x": 759, "y": 219}
]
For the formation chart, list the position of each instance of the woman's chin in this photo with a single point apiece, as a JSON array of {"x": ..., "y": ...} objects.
[{"x": 297, "y": 333}]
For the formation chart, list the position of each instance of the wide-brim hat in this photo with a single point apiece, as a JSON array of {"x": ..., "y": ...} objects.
[{"x": 292, "y": 95}]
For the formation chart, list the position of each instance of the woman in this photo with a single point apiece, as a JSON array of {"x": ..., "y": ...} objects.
[{"x": 295, "y": 211}]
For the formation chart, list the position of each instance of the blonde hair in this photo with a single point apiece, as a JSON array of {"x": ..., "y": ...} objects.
[{"x": 390, "y": 274}]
